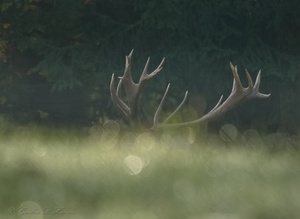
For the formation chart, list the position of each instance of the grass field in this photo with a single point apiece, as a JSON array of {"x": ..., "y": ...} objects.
[{"x": 48, "y": 173}]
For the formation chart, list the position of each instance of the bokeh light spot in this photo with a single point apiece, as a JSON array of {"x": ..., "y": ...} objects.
[
  {"x": 145, "y": 140},
  {"x": 228, "y": 132},
  {"x": 134, "y": 164}
]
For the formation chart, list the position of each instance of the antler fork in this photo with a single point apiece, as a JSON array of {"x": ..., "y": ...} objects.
[{"x": 132, "y": 90}]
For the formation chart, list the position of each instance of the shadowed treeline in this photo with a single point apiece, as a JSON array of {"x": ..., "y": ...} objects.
[{"x": 57, "y": 57}]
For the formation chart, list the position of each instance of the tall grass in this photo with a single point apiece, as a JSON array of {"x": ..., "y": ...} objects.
[{"x": 59, "y": 173}]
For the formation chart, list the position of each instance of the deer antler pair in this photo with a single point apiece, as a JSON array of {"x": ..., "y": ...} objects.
[{"x": 129, "y": 109}]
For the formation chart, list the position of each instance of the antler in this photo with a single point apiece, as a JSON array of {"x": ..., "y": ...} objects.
[
  {"x": 238, "y": 95},
  {"x": 132, "y": 90}
]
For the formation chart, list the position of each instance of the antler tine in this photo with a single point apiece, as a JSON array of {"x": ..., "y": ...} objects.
[
  {"x": 132, "y": 89},
  {"x": 177, "y": 109},
  {"x": 256, "y": 92},
  {"x": 130, "y": 54},
  {"x": 218, "y": 104},
  {"x": 237, "y": 84},
  {"x": 158, "y": 69},
  {"x": 145, "y": 76},
  {"x": 116, "y": 99},
  {"x": 126, "y": 80},
  {"x": 159, "y": 108},
  {"x": 119, "y": 86},
  {"x": 250, "y": 82},
  {"x": 127, "y": 72},
  {"x": 236, "y": 78}
]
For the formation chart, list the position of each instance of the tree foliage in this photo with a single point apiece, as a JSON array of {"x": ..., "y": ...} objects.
[{"x": 77, "y": 44}]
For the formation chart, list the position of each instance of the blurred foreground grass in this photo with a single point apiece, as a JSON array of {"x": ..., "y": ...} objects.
[{"x": 51, "y": 173}]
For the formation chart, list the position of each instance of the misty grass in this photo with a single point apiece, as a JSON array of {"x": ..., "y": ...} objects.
[{"x": 66, "y": 174}]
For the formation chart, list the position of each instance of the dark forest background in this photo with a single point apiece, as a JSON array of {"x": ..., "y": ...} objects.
[{"x": 57, "y": 57}]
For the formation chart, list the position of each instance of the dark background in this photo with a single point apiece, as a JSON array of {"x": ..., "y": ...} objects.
[{"x": 57, "y": 57}]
